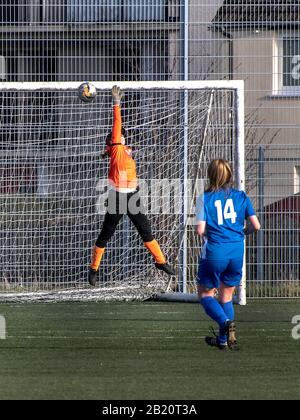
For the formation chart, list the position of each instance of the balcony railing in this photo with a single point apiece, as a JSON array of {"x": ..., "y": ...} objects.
[{"x": 60, "y": 12}]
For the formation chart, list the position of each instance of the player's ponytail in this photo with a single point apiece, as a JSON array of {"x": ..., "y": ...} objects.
[{"x": 220, "y": 175}]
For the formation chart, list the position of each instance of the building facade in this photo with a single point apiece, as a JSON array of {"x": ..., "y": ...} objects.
[{"x": 78, "y": 40}]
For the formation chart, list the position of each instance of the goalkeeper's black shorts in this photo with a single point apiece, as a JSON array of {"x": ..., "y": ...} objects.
[
  {"x": 118, "y": 205},
  {"x": 124, "y": 203}
]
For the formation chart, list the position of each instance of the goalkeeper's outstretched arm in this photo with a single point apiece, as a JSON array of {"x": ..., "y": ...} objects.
[
  {"x": 115, "y": 137},
  {"x": 117, "y": 95}
]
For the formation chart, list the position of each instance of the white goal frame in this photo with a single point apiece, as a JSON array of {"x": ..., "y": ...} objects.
[{"x": 184, "y": 86}]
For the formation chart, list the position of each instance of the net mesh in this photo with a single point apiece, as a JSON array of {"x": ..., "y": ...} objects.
[{"x": 53, "y": 187}]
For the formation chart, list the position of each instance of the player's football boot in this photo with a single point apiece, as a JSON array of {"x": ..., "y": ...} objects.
[
  {"x": 93, "y": 275},
  {"x": 166, "y": 268},
  {"x": 231, "y": 334},
  {"x": 215, "y": 342}
]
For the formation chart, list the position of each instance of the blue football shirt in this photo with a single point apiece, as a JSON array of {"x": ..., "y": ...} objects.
[{"x": 224, "y": 212}]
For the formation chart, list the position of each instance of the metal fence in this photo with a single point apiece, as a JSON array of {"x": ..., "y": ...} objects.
[
  {"x": 273, "y": 256},
  {"x": 254, "y": 40}
]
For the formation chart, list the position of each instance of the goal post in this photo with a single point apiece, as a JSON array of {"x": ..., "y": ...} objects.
[{"x": 53, "y": 183}]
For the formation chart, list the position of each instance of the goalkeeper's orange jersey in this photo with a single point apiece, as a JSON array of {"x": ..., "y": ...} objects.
[{"x": 122, "y": 172}]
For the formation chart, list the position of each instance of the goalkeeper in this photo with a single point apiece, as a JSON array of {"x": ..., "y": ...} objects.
[{"x": 124, "y": 197}]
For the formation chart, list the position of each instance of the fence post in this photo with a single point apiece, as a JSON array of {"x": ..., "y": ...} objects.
[
  {"x": 261, "y": 206},
  {"x": 184, "y": 103}
]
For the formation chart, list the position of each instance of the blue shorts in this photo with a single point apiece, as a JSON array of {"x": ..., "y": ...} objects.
[{"x": 214, "y": 272}]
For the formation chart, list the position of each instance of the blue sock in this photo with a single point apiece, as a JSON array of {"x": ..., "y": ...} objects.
[
  {"x": 215, "y": 311},
  {"x": 229, "y": 310}
]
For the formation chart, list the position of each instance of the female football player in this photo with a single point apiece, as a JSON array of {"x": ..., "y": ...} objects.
[
  {"x": 221, "y": 215},
  {"x": 124, "y": 196}
]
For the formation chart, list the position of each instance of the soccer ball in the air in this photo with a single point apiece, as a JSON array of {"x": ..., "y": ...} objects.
[{"x": 87, "y": 92}]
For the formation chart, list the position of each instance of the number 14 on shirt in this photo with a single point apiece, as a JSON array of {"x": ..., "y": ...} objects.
[{"x": 228, "y": 213}]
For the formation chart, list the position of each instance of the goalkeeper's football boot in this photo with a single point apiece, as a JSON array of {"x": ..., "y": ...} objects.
[
  {"x": 166, "y": 268},
  {"x": 93, "y": 276},
  {"x": 231, "y": 334}
]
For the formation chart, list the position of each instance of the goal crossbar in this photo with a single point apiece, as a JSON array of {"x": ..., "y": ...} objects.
[{"x": 147, "y": 85}]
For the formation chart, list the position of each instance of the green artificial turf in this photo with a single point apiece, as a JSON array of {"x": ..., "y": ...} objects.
[{"x": 146, "y": 351}]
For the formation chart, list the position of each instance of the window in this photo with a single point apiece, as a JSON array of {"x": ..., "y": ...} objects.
[
  {"x": 291, "y": 62},
  {"x": 297, "y": 180},
  {"x": 287, "y": 66}
]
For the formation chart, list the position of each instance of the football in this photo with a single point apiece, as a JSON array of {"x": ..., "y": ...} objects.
[{"x": 87, "y": 92}]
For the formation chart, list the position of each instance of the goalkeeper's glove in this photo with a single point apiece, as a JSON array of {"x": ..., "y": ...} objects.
[{"x": 117, "y": 95}]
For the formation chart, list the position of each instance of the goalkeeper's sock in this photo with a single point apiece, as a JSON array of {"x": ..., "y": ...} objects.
[
  {"x": 215, "y": 311},
  {"x": 97, "y": 258},
  {"x": 155, "y": 250},
  {"x": 228, "y": 308}
]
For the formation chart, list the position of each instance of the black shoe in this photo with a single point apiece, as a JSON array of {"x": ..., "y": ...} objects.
[
  {"x": 214, "y": 342},
  {"x": 166, "y": 268},
  {"x": 93, "y": 275},
  {"x": 231, "y": 334}
]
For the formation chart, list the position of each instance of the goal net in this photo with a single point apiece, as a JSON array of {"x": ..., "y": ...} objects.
[{"x": 53, "y": 183}]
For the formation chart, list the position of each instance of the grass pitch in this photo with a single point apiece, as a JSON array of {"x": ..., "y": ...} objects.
[{"x": 146, "y": 351}]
